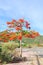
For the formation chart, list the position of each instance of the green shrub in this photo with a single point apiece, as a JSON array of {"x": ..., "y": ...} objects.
[
  {"x": 0, "y": 52},
  {"x": 8, "y": 51}
]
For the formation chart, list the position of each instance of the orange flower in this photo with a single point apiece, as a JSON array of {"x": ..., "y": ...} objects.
[
  {"x": 20, "y": 36},
  {"x": 5, "y": 40},
  {"x": 32, "y": 36},
  {"x": 7, "y": 34},
  {"x": 21, "y": 20},
  {"x": 12, "y": 37},
  {"x": 8, "y": 23},
  {"x": 13, "y": 20},
  {"x": 27, "y": 35},
  {"x": 0, "y": 39},
  {"x": 18, "y": 28},
  {"x": 2, "y": 34},
  {"x": 37, "y": 34}
]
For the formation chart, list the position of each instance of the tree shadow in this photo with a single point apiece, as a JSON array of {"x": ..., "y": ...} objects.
[{"x": 19, "y": 59}]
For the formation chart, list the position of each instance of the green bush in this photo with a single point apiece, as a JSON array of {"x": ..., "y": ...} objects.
[
  {"x": 8, "y": 51},
  {"x": 0, "y": 52}
]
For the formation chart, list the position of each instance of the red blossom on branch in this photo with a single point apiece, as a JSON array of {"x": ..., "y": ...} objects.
[
  {"x": 21, "y": 20},
  {"x": 13, "y": 20},
  {"x": 19, "y": 36},
  {"x": 0, "y": 39},
  {"x": 8, "y": 23},
  {"x": 27, "y": 35},
  {"x": 27, "y": 25},
  {"x": 18, "y": 28},
  {"x": 5, "y": 40}
]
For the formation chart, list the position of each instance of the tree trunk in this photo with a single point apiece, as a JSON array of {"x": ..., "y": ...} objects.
[{"x": 20, "y": 49}]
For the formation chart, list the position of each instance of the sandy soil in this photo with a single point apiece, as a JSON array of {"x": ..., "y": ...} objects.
[
  {"x": 30, "y": 54},
  {"x": 31, "y": 59}
]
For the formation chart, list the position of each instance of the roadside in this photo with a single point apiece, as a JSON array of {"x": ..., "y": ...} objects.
[{"x": 32, "y": 55}]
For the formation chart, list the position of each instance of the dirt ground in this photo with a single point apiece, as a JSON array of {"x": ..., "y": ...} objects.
[
  {"x": 32, "y": 56},
  {"x": 31, "y": 59}
]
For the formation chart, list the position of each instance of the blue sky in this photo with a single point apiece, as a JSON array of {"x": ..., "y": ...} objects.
[{"x": 31, "y": 10}]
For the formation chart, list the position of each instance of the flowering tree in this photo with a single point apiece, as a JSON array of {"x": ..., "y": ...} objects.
[{"x": 18, "y": 25}]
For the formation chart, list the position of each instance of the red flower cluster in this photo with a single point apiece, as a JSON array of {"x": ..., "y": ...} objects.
[
  {"x": 0, "y": 39},
  {"x": 27, "y": 25},
  {"x": 5, "y": 40},
  {"x": 18, "y": 25},
  {"x": 18, "y": 28},
  {"x": 21, "y": 20},
  {"x": 8, "y": 23},
  {"x": 20, "y": 36},
  {"x": 12, "y": 37}
]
